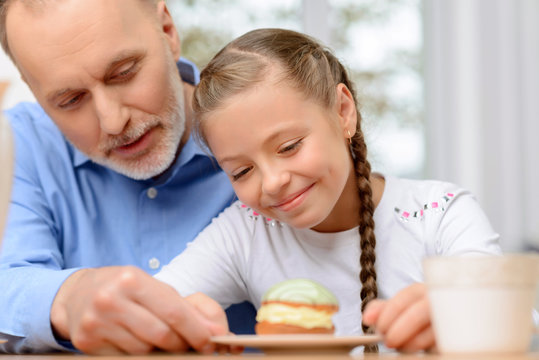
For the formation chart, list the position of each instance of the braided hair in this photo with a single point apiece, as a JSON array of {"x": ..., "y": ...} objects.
[{"x": 315, "y": 72}]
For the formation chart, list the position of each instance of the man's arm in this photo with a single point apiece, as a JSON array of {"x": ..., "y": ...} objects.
[
  {"x": 26, "y": 298},
  {"x": 105, "y": 310},
  {"x": 31, "y": 263}
]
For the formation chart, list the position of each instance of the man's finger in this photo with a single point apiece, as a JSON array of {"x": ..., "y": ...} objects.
[
  {"x": 119, "y": 343},
  {"x": 211, "y": 310},
  {"x": 181, "y": 316},
  {"x": 150, "y": 329}
]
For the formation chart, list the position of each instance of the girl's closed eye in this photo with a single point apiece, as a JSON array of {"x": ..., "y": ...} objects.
[
  {"x": 290, "y": 147},
  {"x": 239, "y": 174}
]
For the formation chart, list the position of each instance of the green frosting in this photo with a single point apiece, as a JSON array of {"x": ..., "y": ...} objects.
[{"x": 301, "y": 291}]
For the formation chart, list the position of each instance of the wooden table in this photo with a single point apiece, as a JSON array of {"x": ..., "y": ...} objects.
[
  {"x": 257, "y": 356},
  {"x": 533, "y": 353}
]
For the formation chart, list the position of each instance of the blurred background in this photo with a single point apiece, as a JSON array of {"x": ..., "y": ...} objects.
[{"x": 448, "y": 89}]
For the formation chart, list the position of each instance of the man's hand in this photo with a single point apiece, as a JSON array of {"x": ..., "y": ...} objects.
[
  {"x": 404, "y": 320},
  {"x": 214, "y": 312},
  {"x": 118, "y": 310}
]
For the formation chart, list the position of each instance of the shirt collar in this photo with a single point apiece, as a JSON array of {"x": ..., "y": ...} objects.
[{"x": 78, "y": 157}]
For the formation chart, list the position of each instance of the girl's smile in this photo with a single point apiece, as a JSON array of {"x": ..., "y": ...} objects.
[{"x": 293, "y": 201}]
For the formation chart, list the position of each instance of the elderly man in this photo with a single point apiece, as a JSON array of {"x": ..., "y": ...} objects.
[{"x": 113, "y": 179}]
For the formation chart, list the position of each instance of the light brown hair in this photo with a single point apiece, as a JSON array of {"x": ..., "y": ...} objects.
[{"x": 315, "y": 72}]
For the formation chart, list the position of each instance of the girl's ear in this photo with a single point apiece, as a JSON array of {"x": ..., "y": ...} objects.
[
  {"x": 346, "y": 110},
  {"x": 169, "y": 29}
]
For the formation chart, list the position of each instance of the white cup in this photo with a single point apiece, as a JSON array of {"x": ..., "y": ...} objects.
[
  {"x": 6, "y": 170},
  {"x": 482, "y": 304}
]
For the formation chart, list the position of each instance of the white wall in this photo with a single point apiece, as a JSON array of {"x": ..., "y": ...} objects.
[
  {"x": 17, "y": 90},
  {"x": 315, "y": 19},
  {"x": 482, "y": 107}
]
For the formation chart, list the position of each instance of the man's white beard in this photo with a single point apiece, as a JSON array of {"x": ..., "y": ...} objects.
[{"x": 163, "y": 154}]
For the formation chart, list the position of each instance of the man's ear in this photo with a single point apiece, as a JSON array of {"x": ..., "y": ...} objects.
[
  {"x": 167, "y": 25},
  {"x": 346, "y": 110}
]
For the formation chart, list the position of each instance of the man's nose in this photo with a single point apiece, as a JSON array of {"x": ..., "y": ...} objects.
[
  {"x": 274, "y": 180},
  {"x": 112, "y": 115}
]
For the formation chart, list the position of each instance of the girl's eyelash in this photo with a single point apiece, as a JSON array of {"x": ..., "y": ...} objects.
[
  {"x": 241, "y": 173},
  {"x": 291, "y": 146},
  {"x": 287, "y": 148}
]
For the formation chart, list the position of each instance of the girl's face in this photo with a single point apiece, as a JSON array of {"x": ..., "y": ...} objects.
[{"x": 287, "y": 157}]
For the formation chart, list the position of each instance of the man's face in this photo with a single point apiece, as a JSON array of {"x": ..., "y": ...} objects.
[{"x": 105, "y": 72}]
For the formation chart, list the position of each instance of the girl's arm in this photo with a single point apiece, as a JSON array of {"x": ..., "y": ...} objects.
[{"x": 214, "y": 263}]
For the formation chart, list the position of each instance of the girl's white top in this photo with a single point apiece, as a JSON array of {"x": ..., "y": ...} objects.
[{"x": 241, "y": 254}]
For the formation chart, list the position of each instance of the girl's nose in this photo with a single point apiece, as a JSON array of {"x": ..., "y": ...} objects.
[
  {"x": 275, "y": 180},
  {"x": 112, "y": 115}
]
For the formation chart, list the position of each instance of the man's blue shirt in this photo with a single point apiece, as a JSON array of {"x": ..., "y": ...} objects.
[{"x": 68, "y": 213}]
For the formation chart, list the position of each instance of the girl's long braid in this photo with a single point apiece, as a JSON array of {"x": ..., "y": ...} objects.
[
  {"x": 362, "y": 167},
  {"x": 367, "y": 275}
]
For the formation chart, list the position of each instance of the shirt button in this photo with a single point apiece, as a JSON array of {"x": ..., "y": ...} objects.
[
  {"x": 152, "y": 193},
  {"x": 154, "y": 263}
]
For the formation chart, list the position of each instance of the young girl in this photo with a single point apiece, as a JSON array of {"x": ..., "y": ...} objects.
[{"x": 280, "y": 115}]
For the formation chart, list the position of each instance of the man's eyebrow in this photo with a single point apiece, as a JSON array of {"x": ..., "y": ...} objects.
[{"x": 121, "y": 57}]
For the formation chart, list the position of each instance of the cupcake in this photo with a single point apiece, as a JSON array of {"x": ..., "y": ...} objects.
[{"x": 297, "y": 306}]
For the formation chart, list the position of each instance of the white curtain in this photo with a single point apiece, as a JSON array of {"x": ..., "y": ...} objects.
[
  {"x": 482, "y": 107},
  {"x": 316, "y": 20}
]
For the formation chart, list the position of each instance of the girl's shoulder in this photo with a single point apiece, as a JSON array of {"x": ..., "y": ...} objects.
[
  {"x": 438, "y": 217},
  {"x": 411, "y": 199}
]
